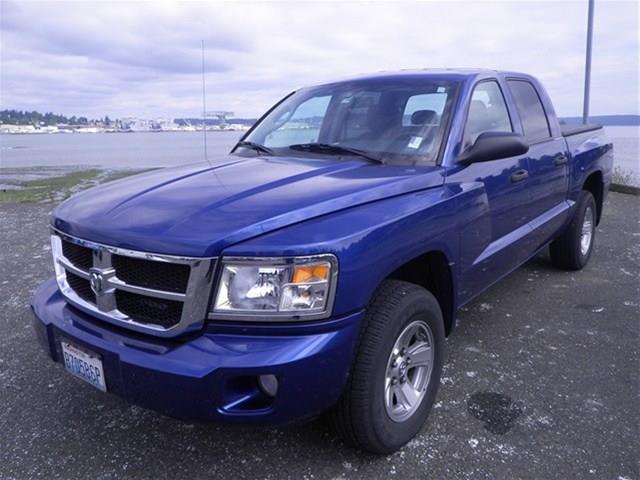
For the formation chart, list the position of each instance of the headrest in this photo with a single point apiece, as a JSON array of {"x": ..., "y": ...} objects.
[
  {"x": 384, "y": 115},
  {"x": 420, "y": 117},
  {"x": 479, "y": 119}
]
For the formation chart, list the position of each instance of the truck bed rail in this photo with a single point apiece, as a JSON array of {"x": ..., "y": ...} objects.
[{"x": 568, "y": 130}]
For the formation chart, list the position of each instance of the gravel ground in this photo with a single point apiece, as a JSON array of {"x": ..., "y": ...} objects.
[{"x": 542, "y": 381}]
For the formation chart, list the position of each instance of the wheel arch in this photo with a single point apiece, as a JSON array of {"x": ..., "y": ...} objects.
[
  {"x": 432, "y": 271},
  {"x": 594, "y": 184}
]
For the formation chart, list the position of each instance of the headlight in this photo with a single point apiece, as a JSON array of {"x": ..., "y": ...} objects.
[{"x": 263, "y": 288}]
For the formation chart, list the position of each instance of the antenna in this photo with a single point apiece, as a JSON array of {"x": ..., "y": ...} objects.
[{"x": 204, "y": 109}]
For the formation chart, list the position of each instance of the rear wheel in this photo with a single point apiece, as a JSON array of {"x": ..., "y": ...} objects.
[
  {"x": 572, "y": 249},
  {"x": 396, "y": 375}
]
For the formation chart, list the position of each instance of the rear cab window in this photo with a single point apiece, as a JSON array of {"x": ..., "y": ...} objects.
[
  {"x": 428, "y": 106},
  {"x": 533, "y": 117}
]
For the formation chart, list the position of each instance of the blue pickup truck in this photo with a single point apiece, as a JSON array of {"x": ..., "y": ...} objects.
[{"x": 319, "y": 266}]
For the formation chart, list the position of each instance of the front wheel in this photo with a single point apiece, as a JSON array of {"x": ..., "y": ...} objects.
[
  {"x": 572, "y": 249},
  {"x": 396, "y": 375}
]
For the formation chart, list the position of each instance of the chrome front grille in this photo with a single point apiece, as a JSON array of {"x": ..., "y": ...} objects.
[{"x": 159, "y": 294}]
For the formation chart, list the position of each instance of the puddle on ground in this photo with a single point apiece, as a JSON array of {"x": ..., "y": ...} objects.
[{"x": 498, "y": 412}]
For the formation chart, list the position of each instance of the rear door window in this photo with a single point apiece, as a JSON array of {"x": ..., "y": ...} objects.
[{"x": 532, "y": 114}]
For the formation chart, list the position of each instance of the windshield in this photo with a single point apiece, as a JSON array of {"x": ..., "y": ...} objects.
[{"x": 398, "y": 121}]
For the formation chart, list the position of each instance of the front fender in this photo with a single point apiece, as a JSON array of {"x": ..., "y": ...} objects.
[{"x": 370, "y": 241}]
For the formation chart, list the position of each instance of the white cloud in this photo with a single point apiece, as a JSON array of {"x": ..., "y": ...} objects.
[{"x": 143, "y": 58}]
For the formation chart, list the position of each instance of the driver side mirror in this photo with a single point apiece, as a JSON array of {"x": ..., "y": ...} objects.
[{"x": 493, "y": 146}]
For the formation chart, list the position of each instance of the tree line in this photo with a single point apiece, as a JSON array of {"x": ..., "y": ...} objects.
[{"x": 20, "y": 117}]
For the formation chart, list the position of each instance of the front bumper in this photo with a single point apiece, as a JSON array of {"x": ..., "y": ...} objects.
[{"x": 211, "y": 376}]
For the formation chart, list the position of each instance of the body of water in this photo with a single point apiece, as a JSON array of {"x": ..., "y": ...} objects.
[
  {"x": 113, "y": 150},
  {"x": 626, "y": 153},
  {"x": 162, "y": 149}
]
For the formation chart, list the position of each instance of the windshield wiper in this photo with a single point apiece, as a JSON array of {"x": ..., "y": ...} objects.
[
  {"x": 335, "y": 150},
  {"x": 255, "y": 146}
]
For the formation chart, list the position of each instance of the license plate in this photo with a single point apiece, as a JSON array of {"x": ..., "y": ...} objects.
[{"x": 84, "y": 365}]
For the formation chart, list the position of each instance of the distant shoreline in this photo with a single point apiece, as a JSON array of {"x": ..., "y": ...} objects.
[
  {"x": 73, "y": 132},
  {"x": 240, "y": 125},
  {"x": 566, "y": 121}
]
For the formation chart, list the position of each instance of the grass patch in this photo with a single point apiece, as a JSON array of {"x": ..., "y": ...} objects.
[
  {"x": 113, "y": 175},
  {"x": 55, "y": 189}
]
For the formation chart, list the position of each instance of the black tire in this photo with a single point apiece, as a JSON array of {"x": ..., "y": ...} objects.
[
  {"x": 566, "y": 251},
  {"x": 360, "y": 417}
]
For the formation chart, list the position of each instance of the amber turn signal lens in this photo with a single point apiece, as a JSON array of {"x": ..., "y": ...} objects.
[{"x": 310, "y": 273}]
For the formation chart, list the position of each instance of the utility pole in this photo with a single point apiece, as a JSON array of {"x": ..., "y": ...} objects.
[{"x": 587, "y": 65}]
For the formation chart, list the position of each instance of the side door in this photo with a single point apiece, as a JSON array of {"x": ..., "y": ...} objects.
[
  {"x": 492, "y": 240},
  {"x": 548, "y": 163}
]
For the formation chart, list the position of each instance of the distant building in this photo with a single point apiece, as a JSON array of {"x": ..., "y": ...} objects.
[
  {"x": 164, "y": 124},
  {"x": 134, "y": 124},
  {"x": 237, "y": 126},
  {"x": 8, "y": 128}
]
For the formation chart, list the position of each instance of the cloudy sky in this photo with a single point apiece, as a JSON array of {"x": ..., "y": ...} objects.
[{"x": 143, "y": 58}]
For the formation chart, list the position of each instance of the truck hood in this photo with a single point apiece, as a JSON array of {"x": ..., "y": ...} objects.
[{"x": 197, "y": 210}]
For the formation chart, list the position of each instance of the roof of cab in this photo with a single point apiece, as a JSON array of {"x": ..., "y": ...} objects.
[{"x": 432, "y": 73}]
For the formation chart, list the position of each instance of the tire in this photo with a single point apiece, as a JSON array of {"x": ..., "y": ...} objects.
[
  {"x": 362, "y": 417},
  {"x": 569, "y": 251}
]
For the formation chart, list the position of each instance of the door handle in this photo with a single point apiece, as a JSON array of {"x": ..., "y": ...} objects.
[
  {"x": 519, "y": 175},
  {"x": 560, "y": 160}
]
